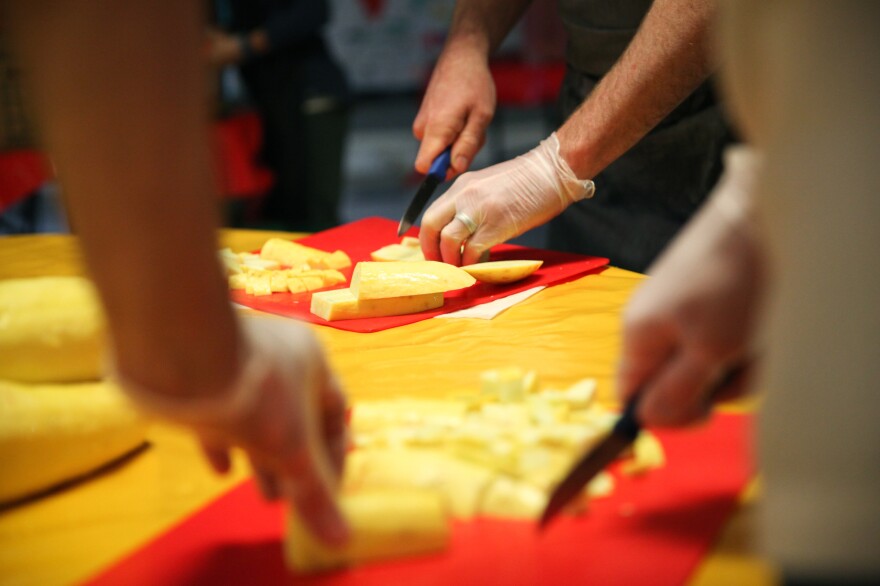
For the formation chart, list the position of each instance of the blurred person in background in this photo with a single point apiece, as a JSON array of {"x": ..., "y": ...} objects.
[
  {"x": 302, "y": 97},
  {"x": 791, "y": 234},
  {"x": 644, "y": 132},
  {"x": 120, "y": 91}
]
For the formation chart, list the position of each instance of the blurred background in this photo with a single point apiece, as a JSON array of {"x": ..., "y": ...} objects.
[{"x": 385, "y": 51}]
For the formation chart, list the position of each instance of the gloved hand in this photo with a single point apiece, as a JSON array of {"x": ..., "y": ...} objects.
[
  {"x": 499, "y": 203},
  {"x": 693, "y": 320},
  {"x": 456, "y": 110},
  {"x": 285, "y": 410}
]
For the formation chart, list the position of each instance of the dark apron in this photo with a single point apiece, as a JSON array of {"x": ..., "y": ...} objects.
[{"x": 648, "y": 194}]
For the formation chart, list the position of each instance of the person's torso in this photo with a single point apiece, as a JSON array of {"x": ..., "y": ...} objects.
[{"x": 599, "y": 31}]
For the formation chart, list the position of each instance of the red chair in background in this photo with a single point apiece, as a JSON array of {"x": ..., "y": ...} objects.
[
  {"x": 238, "y": 139},
  {"x": 242, "y": 180},
  {"x": 22, "y": 172}
]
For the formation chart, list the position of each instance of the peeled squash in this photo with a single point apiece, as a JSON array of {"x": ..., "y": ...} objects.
[
  {"x": 384, "y": 524},
  {"x": 408, "y": 249},
  {"x": 377, "y": 280},
  {"x": 502, "y": 271},
  {"x": 340, "y": 304},
  {"x": 50, "y": 434},
  {"x": 51, "y": 330}
]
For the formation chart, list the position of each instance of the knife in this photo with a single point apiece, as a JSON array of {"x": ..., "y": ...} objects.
[
  {"x": 436, "y": 175},
  {"x": 624, "y": 433}
]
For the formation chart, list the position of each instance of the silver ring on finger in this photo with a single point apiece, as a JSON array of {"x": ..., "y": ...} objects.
[{"x": 467, "y": 221}]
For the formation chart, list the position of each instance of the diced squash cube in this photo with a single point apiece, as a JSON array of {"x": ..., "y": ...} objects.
[
  {"x": 238, "y": 281},
  {"x": 296, "y": 285},
  {"x": 294, "y": 254},
  {"x": 460, "y": 483},
  {"x": 512, "y": 499},
  {"x": 384, "y": 524}
]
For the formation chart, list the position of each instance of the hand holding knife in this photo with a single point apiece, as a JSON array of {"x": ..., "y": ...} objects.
[
  {"x": 623, "y": 434},
  {"x": 436, "y": 175}
]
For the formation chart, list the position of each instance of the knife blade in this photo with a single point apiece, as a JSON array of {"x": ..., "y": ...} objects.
[
  {"x": 625, "y": 431},
  {"x": 436, "y": 175}
]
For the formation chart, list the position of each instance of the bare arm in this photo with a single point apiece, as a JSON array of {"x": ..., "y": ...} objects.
[
  {"x": 483, "y": 24},
  {"x": 668, "y": 59},
  {"x": 460, "y": 100},
  {"x": 122, "y": 90}
]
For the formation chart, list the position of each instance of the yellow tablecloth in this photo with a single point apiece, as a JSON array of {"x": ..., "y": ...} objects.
[{"x": 565, "y": 333}]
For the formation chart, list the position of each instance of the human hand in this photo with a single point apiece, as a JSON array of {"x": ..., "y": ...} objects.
[
  {"x": 223, "y": 48},
  {"x": 456, "y": 110},
  {"x": 691, "y": 323},
  {"x": 285, "y": 410},
  {"x": 483, "y": 208}
]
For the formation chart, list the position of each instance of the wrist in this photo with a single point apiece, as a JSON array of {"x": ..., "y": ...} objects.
[
  {"x": 569, "y": 186},
  {"x": 467, "y": 46},
  {"x": 574, "y": 150},
  {"x": 734, "y": 196},
  {"x": 226, "y": 398}
]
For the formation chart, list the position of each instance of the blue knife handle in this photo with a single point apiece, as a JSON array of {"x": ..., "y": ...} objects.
[{"x": 441, "y": 165}]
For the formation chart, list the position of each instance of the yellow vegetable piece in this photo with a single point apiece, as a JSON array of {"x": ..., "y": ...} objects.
[
  {"x": 332, "y": 277},
  {"x": 51, "y": 330},
  {"x": 502, "y": 271},
  {"x": 313, "y": 282},
  {"x": 238, "y": 281},
  {"x": 508, "y": 384},
  {"x": 378, "y": 280},
  {"x": 294, "y": 254},
  {"x": 384, "y": 523},
  {"x": 336, "y": 260},
  {"x": 647, "y": 454},
  {"x": 343, "y": 304},
  {"x": 512, "y": 499},
  {"x": 397, "y": 252},
  {"x": 50, "y": 434},
  {"x": 408, "y": 249},
  {"x": 296, "y": 285},
  {"x": 460, "y": 483},
  {"x": 258, "y": 285}
]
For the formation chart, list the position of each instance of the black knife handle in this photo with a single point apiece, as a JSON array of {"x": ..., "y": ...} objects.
[{"x": 627, "y": 425}]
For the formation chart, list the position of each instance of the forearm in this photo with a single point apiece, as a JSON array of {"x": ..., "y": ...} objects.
[
  {"x": 124, "y": 108},
  {"x": 481, "y": 25},
  {"x": 670, "y": 56}
]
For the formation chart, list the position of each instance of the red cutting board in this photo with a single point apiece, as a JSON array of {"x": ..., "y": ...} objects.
[
  {"x": 654, "y": 530},
  {"x": 358, "y": 239}
]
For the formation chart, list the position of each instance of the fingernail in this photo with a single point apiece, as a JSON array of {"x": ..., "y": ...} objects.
[{"x": 461, "y": 162}]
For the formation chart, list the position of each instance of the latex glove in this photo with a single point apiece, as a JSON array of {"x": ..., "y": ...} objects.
[
  {"x": 456, "y": 110},
  {"x": 693, "y": 319},
  {"x": 503, "y": 201},
  {"x": 285, "y": 410}
]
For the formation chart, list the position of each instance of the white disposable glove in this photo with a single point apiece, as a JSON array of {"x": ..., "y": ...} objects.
[
  {"x": 484, "y": 208},
  {"x": 692, "y": 321},
  {"x": 285, "y": 410}
]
